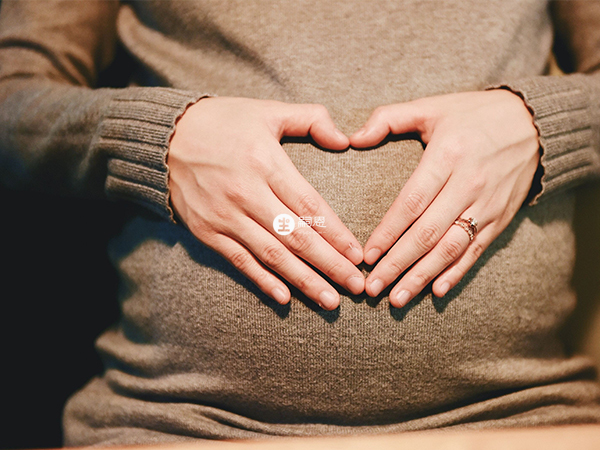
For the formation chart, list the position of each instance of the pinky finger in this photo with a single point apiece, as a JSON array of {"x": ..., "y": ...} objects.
[
  {"x": 455, "y": 272},
  {"x": 244, "y": 261}
]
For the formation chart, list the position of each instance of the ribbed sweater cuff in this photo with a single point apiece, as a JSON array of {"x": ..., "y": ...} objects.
[
  {"x": 563, "y": 113},
  {"x": 135, "y": 133}
]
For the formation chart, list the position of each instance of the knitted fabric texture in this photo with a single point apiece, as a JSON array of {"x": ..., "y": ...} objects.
[{"x": 200, "y": 352}]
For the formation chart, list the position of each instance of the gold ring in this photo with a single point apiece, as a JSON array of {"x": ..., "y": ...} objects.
[{"x": 469, "y": 225}]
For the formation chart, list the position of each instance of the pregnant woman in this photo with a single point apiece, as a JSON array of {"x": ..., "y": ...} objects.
[{"x": 430, "y": 262}]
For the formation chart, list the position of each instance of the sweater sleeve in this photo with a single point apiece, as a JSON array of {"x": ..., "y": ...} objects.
[
  {"x": 566, "y": 109},
  {"x": 60, "y": 134}
]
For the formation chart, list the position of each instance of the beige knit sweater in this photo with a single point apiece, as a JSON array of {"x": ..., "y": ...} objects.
[{"x": 199, "y": 351}]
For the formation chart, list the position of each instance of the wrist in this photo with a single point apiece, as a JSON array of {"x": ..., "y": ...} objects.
[
  {"x": 536, "y": 182},
  {"x": 177, "y": 141}
]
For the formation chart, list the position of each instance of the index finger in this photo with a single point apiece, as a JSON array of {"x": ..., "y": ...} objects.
[
  {"x": 420, "y": 190},
  {"x": 302, "y": 198}
]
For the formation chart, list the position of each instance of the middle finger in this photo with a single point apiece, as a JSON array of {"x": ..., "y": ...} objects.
[
  {"x": 308, "y": 244},
  {"x": 419, "y": 239}
]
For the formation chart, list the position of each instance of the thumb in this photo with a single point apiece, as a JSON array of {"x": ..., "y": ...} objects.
[
  {"x": 400, "y": 118},
  {"x": 305, "y": 119}
]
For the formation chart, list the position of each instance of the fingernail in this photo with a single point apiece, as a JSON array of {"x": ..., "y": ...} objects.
[
  {"x": 372, "y": 255},
  {"x": 354, "y": 254},
  {"x": 328, "y": 299},
  {"x": 341, "y": 135},
  {"x": 279, "y": 295},
  {"x": 444, "y": 288},
  {"x": 356, "y": 283},
  {"x": 402, "y": 298},
  {"x": 360, "y": 132},
  {"x": 376, "y": 287}
]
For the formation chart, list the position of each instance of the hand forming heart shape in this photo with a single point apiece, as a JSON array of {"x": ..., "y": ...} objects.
[{"x": 230, "y": 177}]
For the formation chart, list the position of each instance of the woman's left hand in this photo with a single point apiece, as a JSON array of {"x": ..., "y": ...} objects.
[{"x": 482, "y": 152}]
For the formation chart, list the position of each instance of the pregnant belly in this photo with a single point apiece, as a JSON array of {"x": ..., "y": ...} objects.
[{"x": 195, "y": 330}]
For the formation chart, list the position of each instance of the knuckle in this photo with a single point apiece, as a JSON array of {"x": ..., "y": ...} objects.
[
  {"x": 273, "y": 255},
  {"x": 319, "y": 110},
  {"x": 223, "y": 214},
  {"x": 236, "y": 192},
  {"x": 270, "y": 170},
  {"x": 477, "y": 183},
  {"x": 415, "y": 203},
  {"x": 477, "y": 249},
  {"x": 273, "y": 170},
  {"x": 333, "y": 268},
  {"x": 454, "y": 149},
  {"x": 499, "y": 213},
  {"x": 388, "y": 233},
  {"x": 241, "y": 259},
  {"x": 256, "y": 159},
  {"x": 261, "y": 278},
  {"x": 307, "y": 205},
  {"x": 299, "y": 241},
  {"x": 338, "y": 238},
  {"x": 427, "y": 236},
  {"x": 420, "y": 279},
  {"x": 196, "y": 224},
  {"x": 304, "y": 282},
  {"x": 451, "y": 156},
  {"x": 451, "y": 250},
  {"x": 205, "y": 230},
  {"x": 379, "y": 113},
  {"x": 395, "y": 266}
]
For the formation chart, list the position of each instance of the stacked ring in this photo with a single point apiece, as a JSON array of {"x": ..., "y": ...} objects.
[{"x": 469, "y": 225}]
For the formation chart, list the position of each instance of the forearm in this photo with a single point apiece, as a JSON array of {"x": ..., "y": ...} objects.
[
  {"x": 83, "y": 141},
  {"x": 57, "y": 132}
]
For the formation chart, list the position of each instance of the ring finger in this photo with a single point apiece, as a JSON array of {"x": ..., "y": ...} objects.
[
  {"x": 450, "y": 248},
  {"x": 422, "y": 236},
  {"x": 452, "y": 275},
  {"x": 308, "y": 244},
  {"x": 275, "y": 255}
]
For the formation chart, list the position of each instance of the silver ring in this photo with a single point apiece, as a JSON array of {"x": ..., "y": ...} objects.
[{"x": 469, "y": 225}]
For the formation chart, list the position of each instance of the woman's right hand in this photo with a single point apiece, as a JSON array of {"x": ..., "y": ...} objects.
[{"x": 230, "y": 178}]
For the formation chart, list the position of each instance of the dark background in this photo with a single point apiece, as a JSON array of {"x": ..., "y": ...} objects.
[{"x": 58, "y": 295}]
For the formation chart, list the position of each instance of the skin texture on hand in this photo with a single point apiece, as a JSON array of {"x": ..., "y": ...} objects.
[
  {"x": 230, "y": 178},
  {"x": 482, "y": 151}
]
